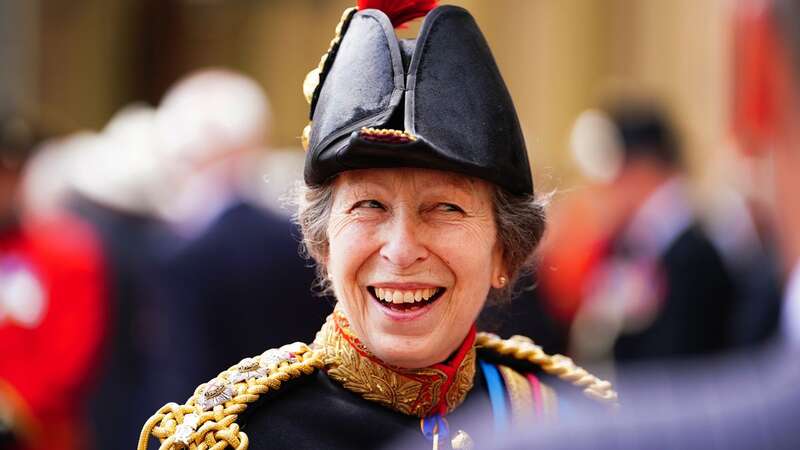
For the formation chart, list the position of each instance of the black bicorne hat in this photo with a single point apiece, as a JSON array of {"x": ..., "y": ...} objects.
[{"x": 435, "y": 102}]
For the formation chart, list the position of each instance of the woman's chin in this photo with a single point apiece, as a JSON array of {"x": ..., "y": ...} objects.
[
  {"x": 411, "y": 351},
  {"x": 408, "y": 339},
  {"x": 407, "y": 353}
]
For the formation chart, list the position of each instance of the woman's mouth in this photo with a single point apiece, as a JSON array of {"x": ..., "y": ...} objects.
[{"x": 405, "y": 299}]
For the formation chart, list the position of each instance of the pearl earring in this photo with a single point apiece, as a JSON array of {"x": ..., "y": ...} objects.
[{"x": 502, "y": 281}]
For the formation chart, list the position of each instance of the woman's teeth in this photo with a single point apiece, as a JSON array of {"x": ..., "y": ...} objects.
[{"x": 397, "y": 296}]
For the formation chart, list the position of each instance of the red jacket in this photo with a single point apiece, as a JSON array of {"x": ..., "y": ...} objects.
[{"x": 52, "y": 318}]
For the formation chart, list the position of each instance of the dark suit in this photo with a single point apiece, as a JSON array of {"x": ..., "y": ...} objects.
[
  {"x": 237, "y": 289},
  {"x": 759, "y": 297},
  {"x": 125, "y": 381},
  {"x": 696, "y": 307}
]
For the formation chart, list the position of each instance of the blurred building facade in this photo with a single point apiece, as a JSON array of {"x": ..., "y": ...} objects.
[{"x": 558, "y": 57}]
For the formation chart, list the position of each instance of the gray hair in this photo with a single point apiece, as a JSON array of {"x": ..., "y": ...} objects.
[{"x": 520, "y": 221}]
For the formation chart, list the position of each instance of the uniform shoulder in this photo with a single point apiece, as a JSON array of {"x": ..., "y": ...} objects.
[
  {"x": 209, "y": 416},
  {"x": 521, "y": 353}
]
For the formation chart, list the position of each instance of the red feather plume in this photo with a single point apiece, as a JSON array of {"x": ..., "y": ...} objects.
[{"x": 399, "y": 11}]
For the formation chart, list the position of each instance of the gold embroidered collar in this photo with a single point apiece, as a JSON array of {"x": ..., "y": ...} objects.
[{"x": 417, "y": 392}]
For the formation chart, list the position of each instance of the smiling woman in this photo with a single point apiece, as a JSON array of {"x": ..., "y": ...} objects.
[
  {"x": 418, "y": 208},
  {"x": 398, "y": 235},
  {"x": 413, "y": 254}
]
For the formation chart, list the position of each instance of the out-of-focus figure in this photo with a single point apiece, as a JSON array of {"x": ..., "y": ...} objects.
[
  {"x": 661, "y": 289},
  {"x": 210, "y": 125},
  {"x": 753, "y": 400},
  {"x": 239, "y": 283},
  {"x": 747, "y": 246},
  {"x": 765, "y": 116},
  {"x": 271, "y": 178},
  {"x": 115, "y": 180},
  {"x": 52, "y": 311}
]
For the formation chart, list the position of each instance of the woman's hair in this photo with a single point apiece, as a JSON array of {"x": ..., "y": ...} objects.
[{"x": 520, "y": 221}]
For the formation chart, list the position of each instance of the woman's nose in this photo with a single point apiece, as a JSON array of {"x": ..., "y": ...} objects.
[{"x": 403, "y": 246}]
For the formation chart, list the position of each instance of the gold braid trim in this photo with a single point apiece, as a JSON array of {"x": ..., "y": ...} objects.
[
  {"x": 207, "y": 421},
  {"x": 523, "y": 348},
  {"x": 386, "y": 135}
]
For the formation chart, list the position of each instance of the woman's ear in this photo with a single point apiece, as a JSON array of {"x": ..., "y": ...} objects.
[{"x": 499, "y": 268}]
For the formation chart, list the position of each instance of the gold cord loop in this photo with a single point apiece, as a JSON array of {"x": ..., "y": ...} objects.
[{"x": 523, "y": 348}]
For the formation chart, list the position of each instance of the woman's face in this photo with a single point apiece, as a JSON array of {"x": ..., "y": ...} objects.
[{"x": 413, "y": 253}]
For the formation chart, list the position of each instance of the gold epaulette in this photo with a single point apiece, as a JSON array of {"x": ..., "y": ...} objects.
[
  {"x": 523, "y": 348},
  {"x": 208, "y": 419}
]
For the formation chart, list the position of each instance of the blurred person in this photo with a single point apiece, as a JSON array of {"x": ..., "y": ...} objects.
[
  {"x": 270, "y": 179},
  {"x": 120, "y": 166},
  {"x": 582, "y": 223},
  {"x": 52, "y": 310},
  {"x": 45, "y": 187},
  {"x": 237, "y": 257},
  {"x": 417, "y": 219},
  {"x": 766, "y": 113},
  {"x": 662, "y": 288},
  {"x": 115, "y": 180},
  {"x": 751, "y": 400},
  {"x": 751, "y": 257}
]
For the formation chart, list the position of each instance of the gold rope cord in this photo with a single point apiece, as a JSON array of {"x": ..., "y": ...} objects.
[
  {"x": 522, "y": 348},
  {"x": 198, "y": 427}
]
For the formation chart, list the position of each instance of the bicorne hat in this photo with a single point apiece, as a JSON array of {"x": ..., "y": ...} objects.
[{"x": 437, "y": 101}]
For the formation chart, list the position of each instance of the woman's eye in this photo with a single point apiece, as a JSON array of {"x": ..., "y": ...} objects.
[
  {"x": 449, "y": 207},
  {"x": 368, "y": 204}
]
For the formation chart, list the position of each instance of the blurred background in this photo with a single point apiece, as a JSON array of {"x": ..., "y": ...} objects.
[
  {"x": 79, "y": 62},
  {"x": 626, "y": 106}
]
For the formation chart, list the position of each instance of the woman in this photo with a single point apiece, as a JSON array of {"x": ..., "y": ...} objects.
[{"x": 418, "y": 206}]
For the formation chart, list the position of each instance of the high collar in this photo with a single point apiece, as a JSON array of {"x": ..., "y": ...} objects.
[{"x": 417, "y": 392}]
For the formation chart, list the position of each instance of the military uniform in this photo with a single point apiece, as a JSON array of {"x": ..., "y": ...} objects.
[
  {"x": 335, "y": 394},
  {"x": 435, "y": 102}
]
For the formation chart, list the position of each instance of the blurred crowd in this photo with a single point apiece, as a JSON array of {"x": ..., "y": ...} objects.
[{"x": 139, "y": 260}]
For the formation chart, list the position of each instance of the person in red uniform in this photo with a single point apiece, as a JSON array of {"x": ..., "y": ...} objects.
[{"x": 52, "y": 312}]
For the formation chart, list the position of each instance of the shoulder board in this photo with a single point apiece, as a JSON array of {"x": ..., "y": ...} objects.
[
  {"x": 523, "y": 349},
  {"x": 209, "y": 416}
]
